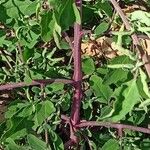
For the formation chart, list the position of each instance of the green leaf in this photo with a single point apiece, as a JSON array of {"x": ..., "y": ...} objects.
[
  {"x": 144, "y": 83},
  {"x": 12, "y": 110},
  {"x": 141, "y": 16},
  {"x": 2, "y": 40},
  {"x": 145, "y": 144},
  {"x": 3, "y": 15},
  {"x": 12, "y": 145},
  {"x": 54, "y": 3},
  {"x": 17, "y": 128},
  {"x": 43, "y": 111},
  {"x": 16, "y": 108},
  {"x": 145, "y": 103},
  {"x": 64, "y": 45},
  {"x": 77, "y": 13},
  {"x": 31, "y": 9},
  {"x": 100, "y": 90},
  {"x": 138, "y": 117},
  {"x": 102, "y": 70},
  {"x": 126, "y": 97},
  {"x": 57, "y": 27},
  {"x": 33, "y": 35},
  {"x": 36, "y": 74},
  {"x": 28, "y": 36},
  {"x": 67, "y": 16},
  {"x": 65, "y": 104},
  {"x": 105, "y": 7},
  {"x": 15, "y": 8},
  {"x": 47, "y": 26},
  {"x": 54, "y": 87},
  {"x": 56, "y": 140},
  {"x": 101, "y": 28},
  {"x": 87, "y": 14},
  {"x": 27, "y": 53},
  {"x": 111, "y": 144},
  {"x": 26, "y": 111},
  {"x": 105, "y": 111},
  {"x": 88, "y": 66},
  {"x": 121, "y": 60},
  {"x": 36, "y": 143},
  {"x": 114, "y": 76},
  {"x": 27, "y": 79}
]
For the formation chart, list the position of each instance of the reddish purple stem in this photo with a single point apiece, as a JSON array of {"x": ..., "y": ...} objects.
[
  {"x": 11, "y": 86},
  {"x": 77, "y": 76},
  {"x": 113, "y": 125}
]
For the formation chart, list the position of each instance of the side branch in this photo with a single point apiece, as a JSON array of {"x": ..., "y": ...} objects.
[
  {"x": 11, "y": 86},
  {"x": 112, "y": 125}
]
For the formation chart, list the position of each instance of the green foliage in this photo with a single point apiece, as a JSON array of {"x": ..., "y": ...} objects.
[
  {"x": 57, "y": 142},
  {"x": 70, "y": 17},
  {"x": 33, "y": 46},
  {"x": 101, "y": 28},
  {"x": 100, "y": 90},
  {"x": 111, "y": 145},
  {"x": 47, "y": 26},
  {"x": 36, "y": 143},
  {"x": 141, "y": 21},
  {"x": 43, "y": 110},
  {"x": 126, "y": 97},
  {"x": 88, "y": 66}
]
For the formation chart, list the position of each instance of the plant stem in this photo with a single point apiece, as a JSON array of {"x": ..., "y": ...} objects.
[
  {"x": 77, "y": 76},
  {"x": 11, "y": 86},
  {"x": 68, "y": 144},
  {"x": 65, "y": 118},
  {"x": 120, "y": 127},
  {"x": 112, "y": 125},
  {"x": 120, "y": 133}
]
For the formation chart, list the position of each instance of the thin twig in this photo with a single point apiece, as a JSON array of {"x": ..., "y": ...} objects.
[
  {"x": 20, "y": 52},
  {"x": 135, "y": 39},
  {"x": 112, "y": 125},
  {"x": 120, "y": 133},
  {"x": 65, "y": 118},
  {"x": 46, "y": 135},
  {"x": 67, "y": 38},
  {"x": 11, "y": 86},
  {"x": 43, "y": 96},
  {"x": 68, "y": 144},
  {"x": 2, "y": 52},
  {"x": 140, "y": 36}
]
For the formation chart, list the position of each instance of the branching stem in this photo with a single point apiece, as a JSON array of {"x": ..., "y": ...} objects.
[
  {"x": 112, "y": 125},
  {"x": 77, "y": 77},
  {"x": 11, "y": 86}
]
